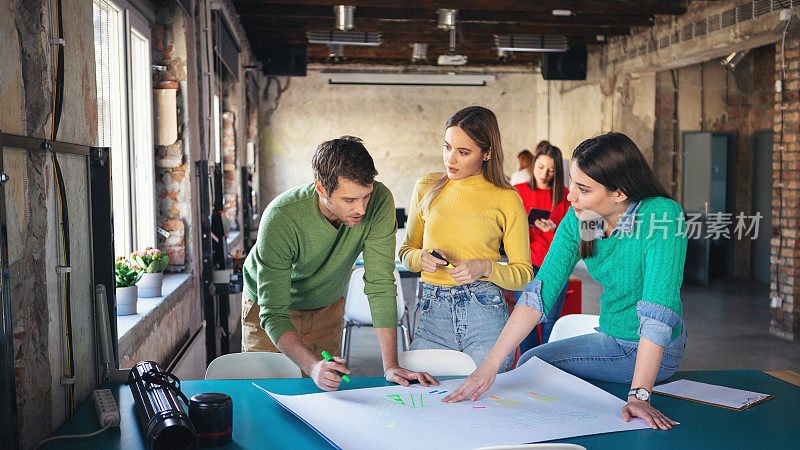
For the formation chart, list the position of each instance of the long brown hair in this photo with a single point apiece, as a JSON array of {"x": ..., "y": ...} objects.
[
  {"x": 557, "y": 183},
  {"x": 480, "y": 124},
  {"x": 613, "y": 160}
]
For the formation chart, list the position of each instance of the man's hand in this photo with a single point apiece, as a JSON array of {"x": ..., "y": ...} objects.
[
  {"x": 431, "y": 263},
  {"x": 324, "y": 373},
  {"x": 397, "y": 374},
  {"x": 655, "y": 418},
  {"x": 466, "y": 272}
]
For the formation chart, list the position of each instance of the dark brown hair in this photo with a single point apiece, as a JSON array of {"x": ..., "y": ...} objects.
[
  {"x": 342, "y": 157},
  {"x": 557, "y": 183},
  {"x": 542, "y": 144},
  {"x": 480, "y": 124},
  {"x": 613, "y": 160}
]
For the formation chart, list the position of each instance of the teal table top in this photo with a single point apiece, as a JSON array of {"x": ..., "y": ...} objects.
[{"x": 259, "y": 422}]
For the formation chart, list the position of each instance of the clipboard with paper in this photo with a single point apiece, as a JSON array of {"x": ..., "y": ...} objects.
[{"x": 711, "y": 394}]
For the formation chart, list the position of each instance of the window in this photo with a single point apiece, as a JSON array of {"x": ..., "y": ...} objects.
[
  {"x": 125, "y": 120},
  {"x": 217, "y": 129}
]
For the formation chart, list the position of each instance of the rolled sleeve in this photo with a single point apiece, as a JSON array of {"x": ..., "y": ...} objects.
[
  {"x": 532, "y": 297},
  {"x": 656, "y": 322}
]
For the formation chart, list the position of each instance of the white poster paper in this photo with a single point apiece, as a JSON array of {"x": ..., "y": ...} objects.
[{"x": 535, "y": 402}]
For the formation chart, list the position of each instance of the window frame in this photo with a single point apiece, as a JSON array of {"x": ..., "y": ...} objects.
[{"x": 139, "y": 229}]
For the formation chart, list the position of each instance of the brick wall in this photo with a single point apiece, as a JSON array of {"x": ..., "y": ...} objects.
[
  {"x": 230, "y": 187},
  {"x": 785, "y": 258},
  {"x": 173, "y": 183},
  {"x": 664, "y": 132}
]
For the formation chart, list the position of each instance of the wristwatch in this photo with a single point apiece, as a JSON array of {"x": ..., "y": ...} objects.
[{"x": 640, "y": 393}]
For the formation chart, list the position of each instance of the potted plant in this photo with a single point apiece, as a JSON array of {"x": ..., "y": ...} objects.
[
  {"x": 152, "y": 262},
  {"x": 126, "y": 275}
]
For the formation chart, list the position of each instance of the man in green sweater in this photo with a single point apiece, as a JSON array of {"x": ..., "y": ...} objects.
[{"x": 297, "y": 272}]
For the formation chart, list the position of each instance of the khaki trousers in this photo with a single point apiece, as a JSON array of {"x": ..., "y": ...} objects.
[{"x": 320, "y": 329}]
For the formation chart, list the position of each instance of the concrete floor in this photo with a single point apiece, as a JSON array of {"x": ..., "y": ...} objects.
[{"x": 727, "y": 323}]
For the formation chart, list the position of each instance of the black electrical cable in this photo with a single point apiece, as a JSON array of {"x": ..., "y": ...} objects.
[
  {"x": 58, "y": 92},
  {"x": 58, "y": 100},
  {"x": 64, "y": 217}
]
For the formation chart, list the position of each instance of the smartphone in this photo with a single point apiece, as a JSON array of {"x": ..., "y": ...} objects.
[
  {"x": 536, "y": 214},
  {"x": 437, "y": 255}
]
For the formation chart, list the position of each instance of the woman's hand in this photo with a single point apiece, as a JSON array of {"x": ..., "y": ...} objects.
[
  {"x": 475, "y": 385},
  {"x": 431, "y": 263},
  {"x": 545, "y": 225},
  {"x": 465, "y": 272},
  {"x": 655, "y": 418}
]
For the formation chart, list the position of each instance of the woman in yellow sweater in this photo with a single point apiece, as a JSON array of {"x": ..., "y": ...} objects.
[{"x": 464, "y": 215}]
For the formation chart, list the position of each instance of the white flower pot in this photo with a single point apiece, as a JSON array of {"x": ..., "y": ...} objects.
[
  {"x": 150, "y": 285},
  {"x": 126, "y": 300}
]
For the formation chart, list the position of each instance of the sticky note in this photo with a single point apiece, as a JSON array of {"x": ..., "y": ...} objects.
[
  {"x": 508, "y": 403},
  {"x": 545, "y": 399}
]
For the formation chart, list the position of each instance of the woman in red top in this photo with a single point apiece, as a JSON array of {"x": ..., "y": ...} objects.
[{"x": 545, "y": 191}]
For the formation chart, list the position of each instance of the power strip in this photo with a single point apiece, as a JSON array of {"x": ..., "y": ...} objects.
[{"x": 106, "y": 407}]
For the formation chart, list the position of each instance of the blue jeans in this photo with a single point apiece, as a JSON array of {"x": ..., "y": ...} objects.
[
  {"x": 599, "y": 356},
  {"x": 532, "y": 340},
  {"x": 467, "y": 318}
]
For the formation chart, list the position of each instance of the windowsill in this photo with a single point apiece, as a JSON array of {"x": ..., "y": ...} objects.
[{"x": 172, "y": 287}]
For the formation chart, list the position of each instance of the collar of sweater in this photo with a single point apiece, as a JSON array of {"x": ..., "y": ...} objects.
[{"x": 471, "y": 182}]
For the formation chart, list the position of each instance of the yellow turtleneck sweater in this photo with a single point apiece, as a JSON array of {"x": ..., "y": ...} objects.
[{"x": 468, "y": 220}]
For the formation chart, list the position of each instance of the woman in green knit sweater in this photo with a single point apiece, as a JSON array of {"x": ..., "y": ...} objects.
[{"x": 632, "y": 238}]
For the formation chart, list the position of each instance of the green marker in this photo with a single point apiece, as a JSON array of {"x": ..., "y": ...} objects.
[
  {"x": 328, "y": 357},
  {"x": 437, "y": 255}
]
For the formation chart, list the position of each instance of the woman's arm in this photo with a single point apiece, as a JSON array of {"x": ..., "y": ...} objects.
[
  {"x": 516, "y": 240},
  {"x": 519, "y": 325},
  {"x": 648, "y": 360}
]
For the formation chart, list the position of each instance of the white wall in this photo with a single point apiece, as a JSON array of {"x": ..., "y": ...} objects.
[{"x": 403, "y": 126}]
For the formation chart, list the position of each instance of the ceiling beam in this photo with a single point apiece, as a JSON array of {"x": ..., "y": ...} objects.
[
  {"x": 431, "y": 38},
  {"x": 672, "y": 7},
  {"x": 253, "y": 10},
  {"x": 285, "y": 23}
]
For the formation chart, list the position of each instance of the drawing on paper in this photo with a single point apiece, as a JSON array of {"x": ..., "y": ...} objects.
[{"x": 533, "y": 403}]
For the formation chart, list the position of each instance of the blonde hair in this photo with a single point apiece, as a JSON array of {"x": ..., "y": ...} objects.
[{"x": 480, "y": 124}]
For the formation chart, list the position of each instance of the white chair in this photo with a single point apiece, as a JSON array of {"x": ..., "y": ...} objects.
[
  {"x": 252, "y": 365},
  {"x": 574, "y": 325},
  {"x": 357, "y": 313},
  {"x": 542, "y": 446},
  {"x": 437, "y": 362}
]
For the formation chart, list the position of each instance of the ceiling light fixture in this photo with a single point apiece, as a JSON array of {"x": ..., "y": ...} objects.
[
  {"x": 447, "y": 21},
  {"x": 731, "y": 61},
  {"x": 503, "y": 56},
  {"x": 419, "y": 52},
  {"x": 344, "y": 16},
  {"x": 531, "y": 43},
  {"x": 447, "y": 18},
  {"x": 562, "y": 12},
  {"x": 336, "y": 53}
]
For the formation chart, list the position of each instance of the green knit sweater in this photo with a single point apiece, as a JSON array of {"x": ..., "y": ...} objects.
[
  {"x": 301, "y": 261},
  {"x": 644, "y": 264}
]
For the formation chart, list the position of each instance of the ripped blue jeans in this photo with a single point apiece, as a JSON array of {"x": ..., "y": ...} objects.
[{"x": 467, "y": 318}]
